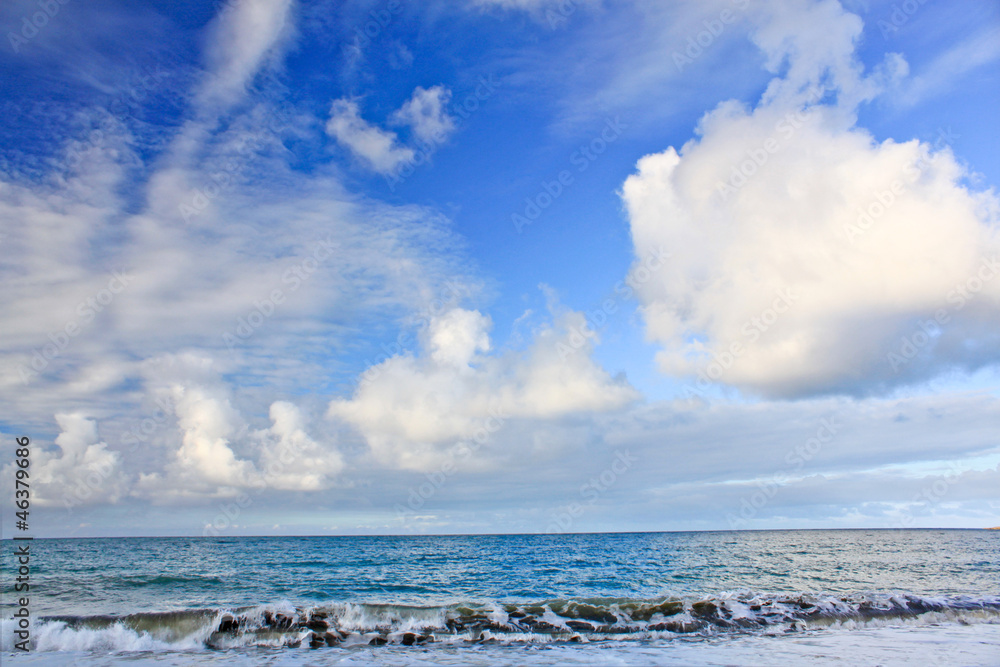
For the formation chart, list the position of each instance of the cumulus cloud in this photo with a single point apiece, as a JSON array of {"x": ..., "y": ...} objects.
[
  {"x": 809, "y": 257},
  {"x": 416, "y": 411},
  {"x": 84, "y": 471},
  {"x": 380, "y": 149},
  {"x": 290, "y": 459},
  {"x": 220, "y": 456}
]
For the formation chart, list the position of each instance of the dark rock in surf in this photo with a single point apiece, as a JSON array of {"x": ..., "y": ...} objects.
[
  {"x": 409, "y": 639},
  {"x": 277, "y": 621},
  {"x": 705, "y": 608},
  {"x": 315, "y": 640},
  {"x": 317, "y": 625},
  {"x": 580, "y": 626},
  {"x": 378, "y": 641},
  {"x": 228, "y": 624}
]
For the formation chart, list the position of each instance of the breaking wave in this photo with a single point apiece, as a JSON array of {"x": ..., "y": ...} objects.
[{"x": 569, "y": 620}]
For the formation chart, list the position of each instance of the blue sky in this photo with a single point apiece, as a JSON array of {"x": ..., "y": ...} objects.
[{"x": 501, "y": 265}]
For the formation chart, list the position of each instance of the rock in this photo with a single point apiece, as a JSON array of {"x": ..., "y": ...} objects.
[
  {"x": 704, "y": 608},
  {"x": 277, "y": 621},
  {"x": 228, "y": 624},
  {"x": 676, "y": 626},
  {"x": 423, "y": 639},
  {"x": 576, "y": 638},
  {"x": 378, "y": 641},
  {"x": 315, "y": 640},
  {"x": 317, "y": 625},
  {"x": 580, "y": 626},
  {"x": 332, "y": 639},
  {"x": 409, "y": 639}
]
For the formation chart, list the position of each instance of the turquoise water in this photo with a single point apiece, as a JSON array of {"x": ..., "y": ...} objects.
[{"x": 392, "y": 599}]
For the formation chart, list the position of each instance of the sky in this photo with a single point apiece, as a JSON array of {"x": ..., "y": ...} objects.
[{"x": 274, "y": 267}]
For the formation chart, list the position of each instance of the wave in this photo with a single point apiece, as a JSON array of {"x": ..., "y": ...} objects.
[{"x": 570, "y": 620}]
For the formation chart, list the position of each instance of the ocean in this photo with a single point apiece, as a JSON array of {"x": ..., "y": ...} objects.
[{"x": 853, "y": 597}]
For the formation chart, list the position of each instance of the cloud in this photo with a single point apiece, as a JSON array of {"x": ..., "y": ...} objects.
[
  {"x": 84, "y": 472},
  {"x": 290, "y": 459},
  {"x": 379, "y": 148},
  {"x": 945, "y": 70},
  {"x": 240, "y": 39},
  {"x": 564, "y": 7},
  {"x": 425, "y": 112},
  {"x": 815, "y": 259},
  {"x": 219, "y": 456},
  {"x": 137, "y": 275},
  {"x": 414, "y": 412}
]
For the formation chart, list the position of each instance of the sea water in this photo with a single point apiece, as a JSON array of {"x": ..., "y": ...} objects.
[{"x": 704, "y": 598}]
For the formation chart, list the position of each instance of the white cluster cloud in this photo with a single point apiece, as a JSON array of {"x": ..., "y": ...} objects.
[
  {"x": 290, "y": 459},
  {"x": 381, "y": 150},
  {"x": 84, "y": 471},
  {"x": 809, "y": 257},
  {"x": 427, "y": 114},
  {"x": 415, "y": 412},
  {"x": 207, "y": 464}
]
